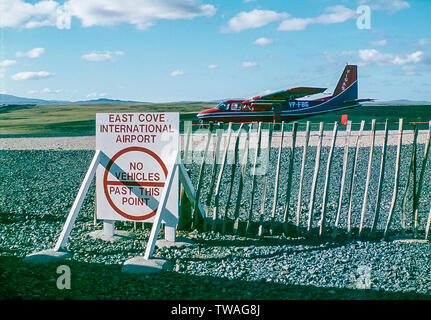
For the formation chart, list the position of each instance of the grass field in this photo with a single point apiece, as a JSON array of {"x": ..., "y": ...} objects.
[{"x": 80, "y": 119}]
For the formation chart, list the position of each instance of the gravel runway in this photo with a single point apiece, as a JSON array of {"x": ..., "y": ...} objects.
[{"x": 38, "y": 187}]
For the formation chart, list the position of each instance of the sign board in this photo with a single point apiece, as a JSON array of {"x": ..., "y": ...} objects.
[{"x": 136, "y": 151}]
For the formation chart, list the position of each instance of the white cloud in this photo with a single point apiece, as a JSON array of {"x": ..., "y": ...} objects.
[
  {"x": 379, "y": 43},
  {"x": 28, "y": 75},
  {"x": 294, "y": 24},
  {"x": 248, "y": 64},
  {"x": 253, "y": 19},
  {"x": 101, "y": 56},
  {"x": 33, "y": 53},
  {"x": 212, "y": 66},
  {"x": 141, "y": 13},
  {"x": 263, "y": 42},
  {"x": 423, "y": 42},
  {"x": 94, "y": 95},
  {"x": 334, "y": 14},
  {"x": 414, "y": 57},
  {"x": 17, "y": 13},
  {"x": 7, "y": 63},
  {"x": 48, "y": 90},
  {"x": 373, "y": 56},
  {"x": 32, "y": 91},
  {"x": 390, "y": 6},
  {"x": 177, "y": 73}
]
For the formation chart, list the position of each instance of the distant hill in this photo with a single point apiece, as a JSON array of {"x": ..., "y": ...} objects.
[
  {"x": 107, "y": 101},
  {"x": 7, "y": 99}
]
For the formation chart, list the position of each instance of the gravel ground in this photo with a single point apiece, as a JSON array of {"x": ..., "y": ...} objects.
[{"x": 37, "y": 189}]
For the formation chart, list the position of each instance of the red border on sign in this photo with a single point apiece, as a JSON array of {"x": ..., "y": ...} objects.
[{"x": 105, "y": 181}]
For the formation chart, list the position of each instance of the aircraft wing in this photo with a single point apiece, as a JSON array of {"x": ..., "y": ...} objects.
[
  {"x": 287, "y": 94},
  {"x": 357, "y": 101}
]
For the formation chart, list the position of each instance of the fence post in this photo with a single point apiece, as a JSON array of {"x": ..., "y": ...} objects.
[
  {"x": 327, "y": 178},
  {"x": 220, "y": 176},
  {"x": 277, "y": 176},
  {"x": 316, "y": 173},
  {"x": 380, "y": 184},
  {"x": 253, "y": 181},
  {"x": 367, "y": 183},
  {"x": 428, "y": 225},
  {"x": 199, "y": 184},
  {"x": 289, "y": 176},
  {"x": 265, "y": 181},
  {"x": 241, "y": 181},
  {"x": 189, "y": 133},
  {"x": 343, "y": 177},
  {"x": 396, "y": 179},
  {"x": 219, "y": 135},
  {"x": 421, "y": 179},
  {"x": 352, "y": 179},
  {"x": 411, "y": 172},
  {"x": 232, "y": 177},
  {"x": 301, "y": 178}
]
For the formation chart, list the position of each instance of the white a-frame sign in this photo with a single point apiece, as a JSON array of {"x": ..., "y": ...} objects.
[{"x": 138, "y": 169}]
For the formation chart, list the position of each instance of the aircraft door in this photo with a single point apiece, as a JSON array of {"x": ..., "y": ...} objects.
[{"x": 277, "y": 113}]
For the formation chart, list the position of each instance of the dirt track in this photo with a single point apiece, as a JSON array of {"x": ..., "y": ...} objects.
[{"x": 89, "y": 142}]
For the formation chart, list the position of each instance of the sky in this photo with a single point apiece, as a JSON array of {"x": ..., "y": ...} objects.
[{"x": 202, "y": 50}]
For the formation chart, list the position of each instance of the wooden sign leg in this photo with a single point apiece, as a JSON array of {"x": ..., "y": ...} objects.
[
  {"x": 61, "y": 242},
  {"x": 159, "y": 214}
]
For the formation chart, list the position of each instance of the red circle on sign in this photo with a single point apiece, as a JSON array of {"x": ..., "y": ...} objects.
[{"x": 106, "y": 182}]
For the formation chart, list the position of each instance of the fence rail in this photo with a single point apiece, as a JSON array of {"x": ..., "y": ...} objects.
[{"x": 260, "y": 178}]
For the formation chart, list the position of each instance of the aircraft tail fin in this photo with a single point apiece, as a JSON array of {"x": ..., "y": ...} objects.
[{"x": 349, "y": 76}]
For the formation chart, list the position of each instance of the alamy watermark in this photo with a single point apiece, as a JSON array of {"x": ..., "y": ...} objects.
[
  {"x": 364, "y": 279},
  {"x": 364, "y": 19},
  {"x": 219, "y": 151},
  {"x": 64, "y": 280},
  {"x": 64, "y": 17}
]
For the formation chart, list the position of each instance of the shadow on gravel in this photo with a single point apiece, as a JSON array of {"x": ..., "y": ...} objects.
[
  {"x": 273, "y": 241},
  {"x": 298, "y": 245},
  {"x": 20, "y": 280}
]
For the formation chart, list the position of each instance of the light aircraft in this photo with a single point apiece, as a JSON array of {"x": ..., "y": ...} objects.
[{"x": 285, "y": 105}]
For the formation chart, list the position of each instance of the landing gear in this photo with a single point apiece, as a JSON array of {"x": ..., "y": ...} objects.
[{"x": 201, "y": 124}]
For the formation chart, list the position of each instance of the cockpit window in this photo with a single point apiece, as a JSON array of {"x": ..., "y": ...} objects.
[
  {"x": 222, "y": 106},
  {"x": 235, "y": 106}
]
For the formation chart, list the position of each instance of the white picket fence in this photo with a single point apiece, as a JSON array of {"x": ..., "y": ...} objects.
[{"x": 220, "y": 152}]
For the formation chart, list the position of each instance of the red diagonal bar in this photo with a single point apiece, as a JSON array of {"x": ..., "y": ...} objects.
[{"x": 136, "y": 184}]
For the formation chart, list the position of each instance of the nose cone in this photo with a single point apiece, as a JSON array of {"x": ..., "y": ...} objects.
[
  {"x": 209, "y": 111},
  {"x": 202, "y": 114}
]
